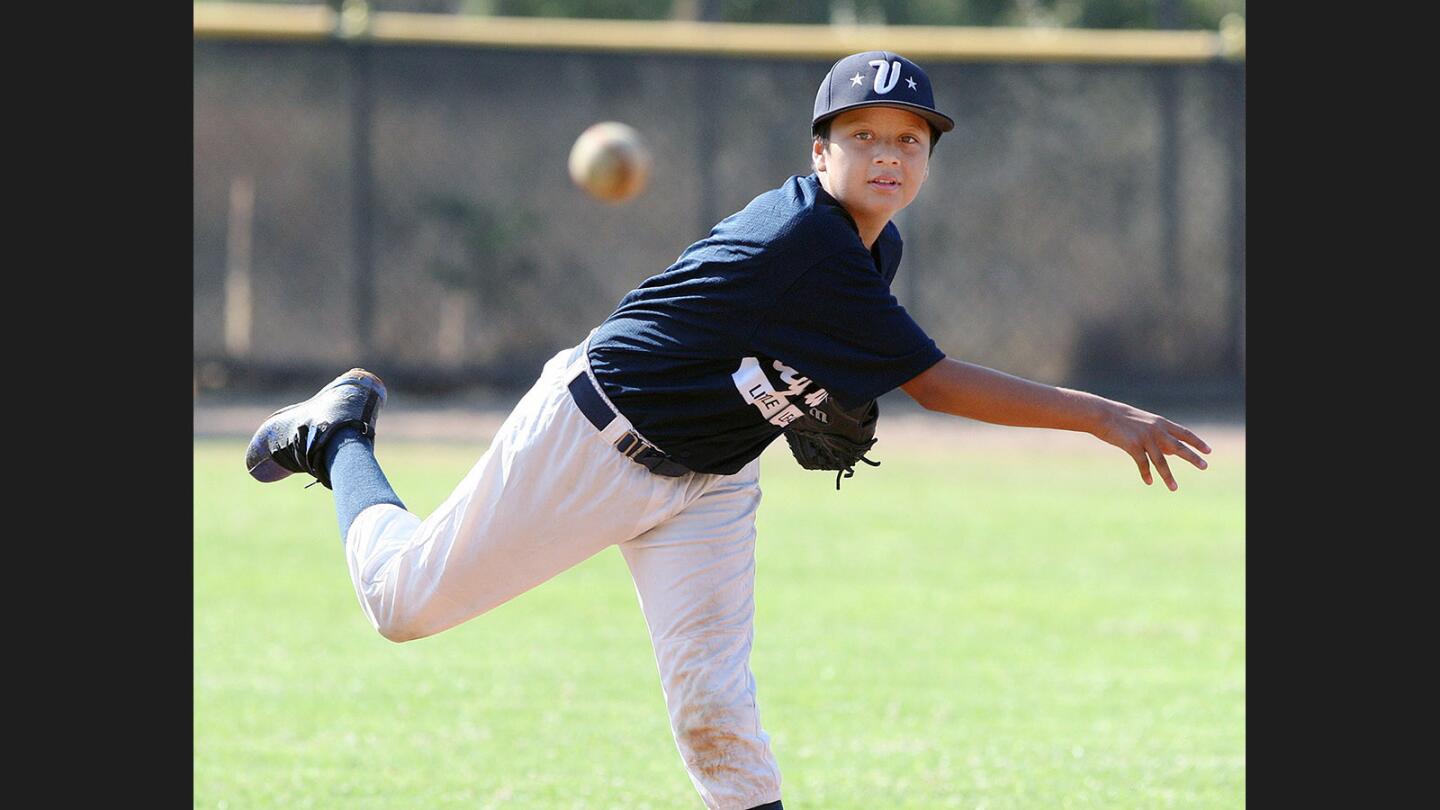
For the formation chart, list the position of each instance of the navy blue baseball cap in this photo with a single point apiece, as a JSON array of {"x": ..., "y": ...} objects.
[{"x": 878, "y": 79}]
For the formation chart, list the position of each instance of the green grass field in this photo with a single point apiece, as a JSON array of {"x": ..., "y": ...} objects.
[{"x": 981, "y": 627}]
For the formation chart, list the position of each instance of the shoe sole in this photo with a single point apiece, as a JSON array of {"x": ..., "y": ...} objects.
[{"x": 267, "y": 470}]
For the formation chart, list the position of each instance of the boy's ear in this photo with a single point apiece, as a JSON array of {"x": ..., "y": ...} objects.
[{"x": 817, "y": 155}]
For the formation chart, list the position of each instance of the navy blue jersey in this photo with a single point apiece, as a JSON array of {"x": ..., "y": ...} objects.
[{"x": 778, "y": 308}]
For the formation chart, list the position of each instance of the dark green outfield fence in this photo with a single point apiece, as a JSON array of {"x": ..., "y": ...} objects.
[{"x": 404, "y": 205}]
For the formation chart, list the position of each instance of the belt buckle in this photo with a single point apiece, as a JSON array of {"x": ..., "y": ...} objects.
[{"x": 634, "y": 448}]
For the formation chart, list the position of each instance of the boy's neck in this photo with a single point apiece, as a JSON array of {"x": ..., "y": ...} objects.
[
  {"x": 869, "y": 232},
  {"x": 869, "y": 229}
]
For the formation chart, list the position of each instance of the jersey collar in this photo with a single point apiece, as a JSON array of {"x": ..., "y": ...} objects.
[{"x": 823, "y": 196}]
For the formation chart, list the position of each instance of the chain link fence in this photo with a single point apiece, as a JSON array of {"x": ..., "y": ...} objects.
[{"x": 407, "y": 208}]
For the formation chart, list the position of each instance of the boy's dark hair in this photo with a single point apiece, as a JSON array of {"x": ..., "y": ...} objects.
[{"x": 821, "y": 132}]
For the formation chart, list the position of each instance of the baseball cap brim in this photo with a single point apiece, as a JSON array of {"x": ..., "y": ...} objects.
[{"x": 940, "y": 121}]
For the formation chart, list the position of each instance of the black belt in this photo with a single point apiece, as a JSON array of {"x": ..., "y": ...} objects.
[{"x": 630, "y": 445}]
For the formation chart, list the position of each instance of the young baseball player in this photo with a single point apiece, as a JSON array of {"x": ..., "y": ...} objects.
[{"x": 647, "y": 434}]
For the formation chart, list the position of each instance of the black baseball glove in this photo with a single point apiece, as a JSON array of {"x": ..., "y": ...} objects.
[{"x": 828, "y": 437}]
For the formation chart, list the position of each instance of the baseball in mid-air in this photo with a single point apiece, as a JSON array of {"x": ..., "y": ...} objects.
[{"x": 610, "y": 162}]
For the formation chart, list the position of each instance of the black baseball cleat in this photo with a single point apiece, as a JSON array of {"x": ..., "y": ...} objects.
[{"x": 293, "y": 439}]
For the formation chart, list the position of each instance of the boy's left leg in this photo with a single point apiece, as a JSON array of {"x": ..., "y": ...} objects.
[{"x": 695, "y": 576}]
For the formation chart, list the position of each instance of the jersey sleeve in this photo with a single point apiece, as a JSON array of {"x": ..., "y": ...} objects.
[{"x": 840, "y": 325}]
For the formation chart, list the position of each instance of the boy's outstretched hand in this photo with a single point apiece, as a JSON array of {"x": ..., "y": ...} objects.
[
  {"x": 1149, "y": 438},
  {"x": 976, "y": 392}
]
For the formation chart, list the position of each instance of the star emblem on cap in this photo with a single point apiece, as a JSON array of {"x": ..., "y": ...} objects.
[
  {"x": 857, "y": 79},
  {"x": 911, "y": 81}
]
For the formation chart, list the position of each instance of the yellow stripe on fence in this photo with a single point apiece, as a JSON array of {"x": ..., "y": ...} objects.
[
  {"x": 254, "y": 21},
  {"x": 933, "y": 43}
]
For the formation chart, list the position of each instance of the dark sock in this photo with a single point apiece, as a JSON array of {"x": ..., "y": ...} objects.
[
  {"x": 356, "y": 477},
  {"x": 775, "y": 805}
]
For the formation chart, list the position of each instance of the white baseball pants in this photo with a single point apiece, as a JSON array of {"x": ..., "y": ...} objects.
[{"x": 550, "y": 492}]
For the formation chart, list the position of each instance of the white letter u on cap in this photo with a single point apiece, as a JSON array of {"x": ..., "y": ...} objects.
[{"x": 887, "y": 77}]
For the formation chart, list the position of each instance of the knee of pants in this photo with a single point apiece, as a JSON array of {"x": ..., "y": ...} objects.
[
  {"x": 716, "y": 723},
  {"x": 404, "y": 614},
  {"x": 400, "y": 631},
  {"x": 718, "y": 742},
  {"x": 400, "y": 580},
  {"x": 729, "y": 762}
]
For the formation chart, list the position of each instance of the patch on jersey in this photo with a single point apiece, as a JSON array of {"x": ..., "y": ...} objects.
[{"x": 773, "y": 403}]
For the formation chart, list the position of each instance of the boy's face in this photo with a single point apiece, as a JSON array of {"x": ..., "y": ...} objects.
[{"x": 876, "y": 161}]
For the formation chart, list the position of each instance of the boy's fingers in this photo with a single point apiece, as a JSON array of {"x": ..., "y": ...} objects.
[
  {"x": 1144, "y": 464},
  {"x": 1189, "y": 455},
  {"x": 1190, "y": 437},
  {"x": 1159, "y": 458}
]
